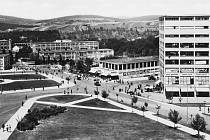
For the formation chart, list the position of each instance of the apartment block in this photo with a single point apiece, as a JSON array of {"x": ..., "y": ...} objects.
[{"x": 184, "y": 55}]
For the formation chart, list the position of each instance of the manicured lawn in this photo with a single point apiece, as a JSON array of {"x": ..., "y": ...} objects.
[
  {"x": 98, "y": 103},
  {"x": 63, "y": 98},
  {"x": 22, "y": 76},
  {"x": 189, "y": 104},
  {"x": 10, "y": 103},
  {"x": 96, "y": 125},
  {"x": 17, "y": 85}
]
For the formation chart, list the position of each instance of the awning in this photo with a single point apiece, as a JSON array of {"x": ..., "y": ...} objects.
[
  {"x": 187, "y": 89},
  {"x": 114, "y": 74},
  {"x": 172, "y": 89},
  {"x": 202, "y": 89},
  {"x": 104, "y": 73},
  {"x": 95, "y": 70}
]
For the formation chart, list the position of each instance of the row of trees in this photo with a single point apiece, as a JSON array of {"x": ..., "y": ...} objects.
[
  {"x": 34, "y": 36},
  {"x": 198, "y": 123}
]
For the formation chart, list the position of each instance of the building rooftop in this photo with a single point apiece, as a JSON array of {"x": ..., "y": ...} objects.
[
  {"x": 131, "y": 60},
  {"x": 187, "y": 15}
]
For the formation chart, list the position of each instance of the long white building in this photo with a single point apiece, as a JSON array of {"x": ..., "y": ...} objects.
[
  {"x": 71, "y": 49},
  {"x": 184, "y": 55}
]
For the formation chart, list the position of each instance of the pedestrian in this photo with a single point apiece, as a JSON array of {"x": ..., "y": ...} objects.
[
  {"x": 208, "y": 110},
  {"x": 22, "y": 103},
  {"x": 7, "y": 128},
  {"x": 3, "y": 126},
  {"x": 71, "y": 91},
  {"x": 10, "y": 128},
  {"x": 26, "y": 97}
]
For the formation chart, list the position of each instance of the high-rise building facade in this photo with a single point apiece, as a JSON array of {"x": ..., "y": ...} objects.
[{"x": 184, "y": 55}]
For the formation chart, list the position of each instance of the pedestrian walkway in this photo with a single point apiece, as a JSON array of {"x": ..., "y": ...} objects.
[{"x": 150, "y": 115}]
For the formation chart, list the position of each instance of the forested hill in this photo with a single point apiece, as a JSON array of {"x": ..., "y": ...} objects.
[{"x": 141, "y": 47}]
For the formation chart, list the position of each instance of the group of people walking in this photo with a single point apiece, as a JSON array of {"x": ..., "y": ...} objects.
[{"x": 7, "y": 127}]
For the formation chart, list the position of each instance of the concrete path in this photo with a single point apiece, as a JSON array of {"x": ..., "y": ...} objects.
[{"x": 28, "y": 104}]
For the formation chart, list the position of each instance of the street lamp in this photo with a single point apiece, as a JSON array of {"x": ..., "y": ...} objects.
[
  {"x": 204, "y": 106},
  {"x": 187, "y": 103}
]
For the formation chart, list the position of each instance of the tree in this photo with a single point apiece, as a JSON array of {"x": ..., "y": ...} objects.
[
  {"x": 173, "y": 116},
  {"x": 146, "y": 105},
  {"x": 71, "y": 63},
  {"x": 117, "y": 96},
  {"x": 104, "y": 94},
  {"x": 88, "y": 62},
  {"x": 198, "y": 123},
  {"x": 169, "y": 96},
  {"x": 48, "y": 59},
  {"x": 68, "y": 79},
  {"x": 96, "y": 92},
  {"x": 134, "y": 100},
  {"x": 11, "y": 57}
]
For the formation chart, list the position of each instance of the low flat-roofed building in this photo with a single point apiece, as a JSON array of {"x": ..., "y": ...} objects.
[
  {"x": 4, "y": 61},
  {"x": 126, "y": 68}
]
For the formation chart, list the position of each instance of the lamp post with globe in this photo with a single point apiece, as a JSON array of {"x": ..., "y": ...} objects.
[{"x": 16, "y": 50}]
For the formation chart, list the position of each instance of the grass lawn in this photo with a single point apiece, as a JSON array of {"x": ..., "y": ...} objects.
[
  {"x": 17, "y": 85},
  {"x": 22, "y": 76},
  {"x": 96, "y": 125},
  {"x": 63, "y": 98},
  {"x": 189, "y": 104},
  {"x": 98, "y": 103},
  {"x": 10, "y": 103}
]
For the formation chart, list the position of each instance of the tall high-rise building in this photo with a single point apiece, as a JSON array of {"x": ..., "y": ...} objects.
[{"x": 184, "y": 55}]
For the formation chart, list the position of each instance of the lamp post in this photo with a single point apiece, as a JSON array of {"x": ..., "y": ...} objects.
[
  {"x": 204, "y": 106},
  {"x": 187, "y": 103}
]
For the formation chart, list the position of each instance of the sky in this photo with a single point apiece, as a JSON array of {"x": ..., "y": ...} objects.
[{"x": 46, "y": 9}]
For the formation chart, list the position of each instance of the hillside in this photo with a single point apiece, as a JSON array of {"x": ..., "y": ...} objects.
[
  {"x": 16, "y": 20},
  {"x": 145, "y": 18},
  {"x": 81, "y": 27}
]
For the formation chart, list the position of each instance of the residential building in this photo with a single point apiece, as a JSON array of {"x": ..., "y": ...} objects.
[
  {"x": 4, "y": 61},
  {"x": 129, "y": 68},
  {"x": 184, "y": 55}
]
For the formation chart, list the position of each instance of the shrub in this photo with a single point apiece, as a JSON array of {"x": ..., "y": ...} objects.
[{"x": 30, "y": 121}]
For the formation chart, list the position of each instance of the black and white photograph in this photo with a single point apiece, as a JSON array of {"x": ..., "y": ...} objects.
[{"x": 105, "y": 70}]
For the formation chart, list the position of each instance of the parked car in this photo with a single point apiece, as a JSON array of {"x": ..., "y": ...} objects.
[{"x": 148, "y": 88}]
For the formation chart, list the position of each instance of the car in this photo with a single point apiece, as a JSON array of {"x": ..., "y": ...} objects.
[{"x": 148, "y": 88}]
